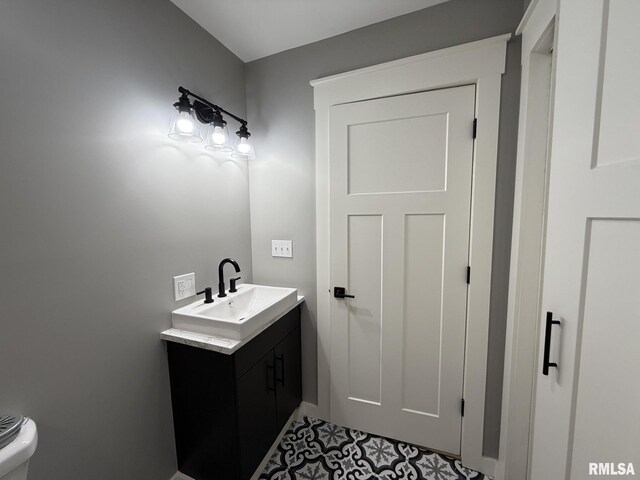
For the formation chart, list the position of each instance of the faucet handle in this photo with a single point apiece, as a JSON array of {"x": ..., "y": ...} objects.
[
  {"x": 208, "y": 294},
  {"x": 232, "y": 284}
]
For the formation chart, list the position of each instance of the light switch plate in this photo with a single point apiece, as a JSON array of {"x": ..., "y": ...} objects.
[
  {"x": 184, "y": 286},
  {"x": 282, "y": 248}
]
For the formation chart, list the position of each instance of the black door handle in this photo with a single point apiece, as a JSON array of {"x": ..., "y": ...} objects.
[
  {"x": 280, "y": 358},
  {"x": 341, "y": 292},
  {"x": 547, "y": 344}
]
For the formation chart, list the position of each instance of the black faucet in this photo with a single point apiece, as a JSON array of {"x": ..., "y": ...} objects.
[{"x": 221, "y": 275}]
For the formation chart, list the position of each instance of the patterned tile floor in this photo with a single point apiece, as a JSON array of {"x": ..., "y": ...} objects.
[{"x": 316, "y": 450}]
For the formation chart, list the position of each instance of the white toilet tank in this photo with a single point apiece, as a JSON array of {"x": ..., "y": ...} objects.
[{"x": 14, "y": 457}]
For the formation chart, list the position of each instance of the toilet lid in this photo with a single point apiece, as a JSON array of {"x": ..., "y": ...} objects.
[{"x": 9, "y": 428}]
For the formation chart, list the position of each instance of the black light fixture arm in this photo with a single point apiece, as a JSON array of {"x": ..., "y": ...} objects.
[{"x": 211, "y": 105}]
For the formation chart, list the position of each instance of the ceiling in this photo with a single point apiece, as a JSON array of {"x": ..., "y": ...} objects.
[{"x": 254, "y": 29}]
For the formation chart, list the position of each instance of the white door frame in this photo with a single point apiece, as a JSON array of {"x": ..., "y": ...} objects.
[
  {"x": 482, "y": 64},
  {"x": 527, "y": 245}
]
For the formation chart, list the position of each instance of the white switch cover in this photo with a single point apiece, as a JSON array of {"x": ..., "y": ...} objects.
[
  {"x": 184, "y": 286},
  {"x": 282, "y": 248}
]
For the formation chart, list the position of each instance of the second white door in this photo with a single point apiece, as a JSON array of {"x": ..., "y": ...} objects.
[
  {"x": 586, "y": 420},
  {"x": 400, "y": 206}
]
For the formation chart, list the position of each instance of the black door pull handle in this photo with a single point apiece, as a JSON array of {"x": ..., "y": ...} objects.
[
  {"x": 546, "y": 364},
  {"x": 341, "y": 292}
]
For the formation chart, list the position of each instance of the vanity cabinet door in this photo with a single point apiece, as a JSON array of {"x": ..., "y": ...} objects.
[
  {"x": 288, "y": 371},
  {"x": 256, "y": 406},
  {"x": 203, "y": 398}
]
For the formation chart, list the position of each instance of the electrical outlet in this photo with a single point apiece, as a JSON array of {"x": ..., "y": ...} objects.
[
  {"x": 184, "y": 286},
  {"x": 282, "y": 248}
]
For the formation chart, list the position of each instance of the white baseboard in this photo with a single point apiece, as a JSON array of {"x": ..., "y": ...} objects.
[{"x": 309, "y": 410}]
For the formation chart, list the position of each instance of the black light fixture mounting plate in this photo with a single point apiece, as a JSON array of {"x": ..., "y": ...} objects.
[{"x": 204, "y": 113}]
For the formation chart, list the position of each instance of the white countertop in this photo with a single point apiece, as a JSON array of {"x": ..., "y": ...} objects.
[{"x": 218, "y": 344}]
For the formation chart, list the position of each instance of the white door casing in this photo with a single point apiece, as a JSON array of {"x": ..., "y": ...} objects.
[
  {"x": 586, "y": 408},
  {"x": 482, "y": 64},
  {"x": 400, "y": 182},
  {"x": 527, "y": 248}
]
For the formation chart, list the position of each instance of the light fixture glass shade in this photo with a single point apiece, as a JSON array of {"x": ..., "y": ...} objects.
[
  {"x": 218, "y": 139},
  {"x": 243, "y": 149},
  {"x": 185, "y": 127}
]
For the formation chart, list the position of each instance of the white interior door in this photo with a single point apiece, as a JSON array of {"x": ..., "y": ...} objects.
[
  {"x": 586, "y": 408},
  {"x": 400, "y": 195}
]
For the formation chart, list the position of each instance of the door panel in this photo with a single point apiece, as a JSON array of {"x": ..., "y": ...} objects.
[
  {"x": 400, "y": 194},
  {"x": 586, "y": 408},
  {"x": 419, "y": 161},
  {"x": 610, "y": 318},
  {"x": 618, "y": 107},
  {"x": 423, "y": 295},
  {"x": 364, "y": 327}
]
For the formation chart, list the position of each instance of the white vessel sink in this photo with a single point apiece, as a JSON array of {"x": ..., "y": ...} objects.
[{"x": 237, "y": 315}]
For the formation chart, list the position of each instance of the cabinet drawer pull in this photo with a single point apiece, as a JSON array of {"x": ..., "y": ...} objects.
[
  {"x": 280, "y": 358},
  {"x": 271, "y": 386}
]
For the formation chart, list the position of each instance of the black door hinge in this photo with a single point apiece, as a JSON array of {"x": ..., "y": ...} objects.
[
  {"x": 462, "y": 407},
  {"x": 475, "y": 127},
  {"x": 468, "y": 275}
]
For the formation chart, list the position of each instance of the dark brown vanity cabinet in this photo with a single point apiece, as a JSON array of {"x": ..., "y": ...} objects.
[{"x": 229, "y": 409}]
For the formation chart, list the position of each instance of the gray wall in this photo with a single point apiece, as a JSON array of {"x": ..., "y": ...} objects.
[
  {"x": 280, "y": 106},
  {"x": 98, "y": 210}
]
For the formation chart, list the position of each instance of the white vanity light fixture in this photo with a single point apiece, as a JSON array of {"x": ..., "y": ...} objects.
[{"x": 185, "y": 126}]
